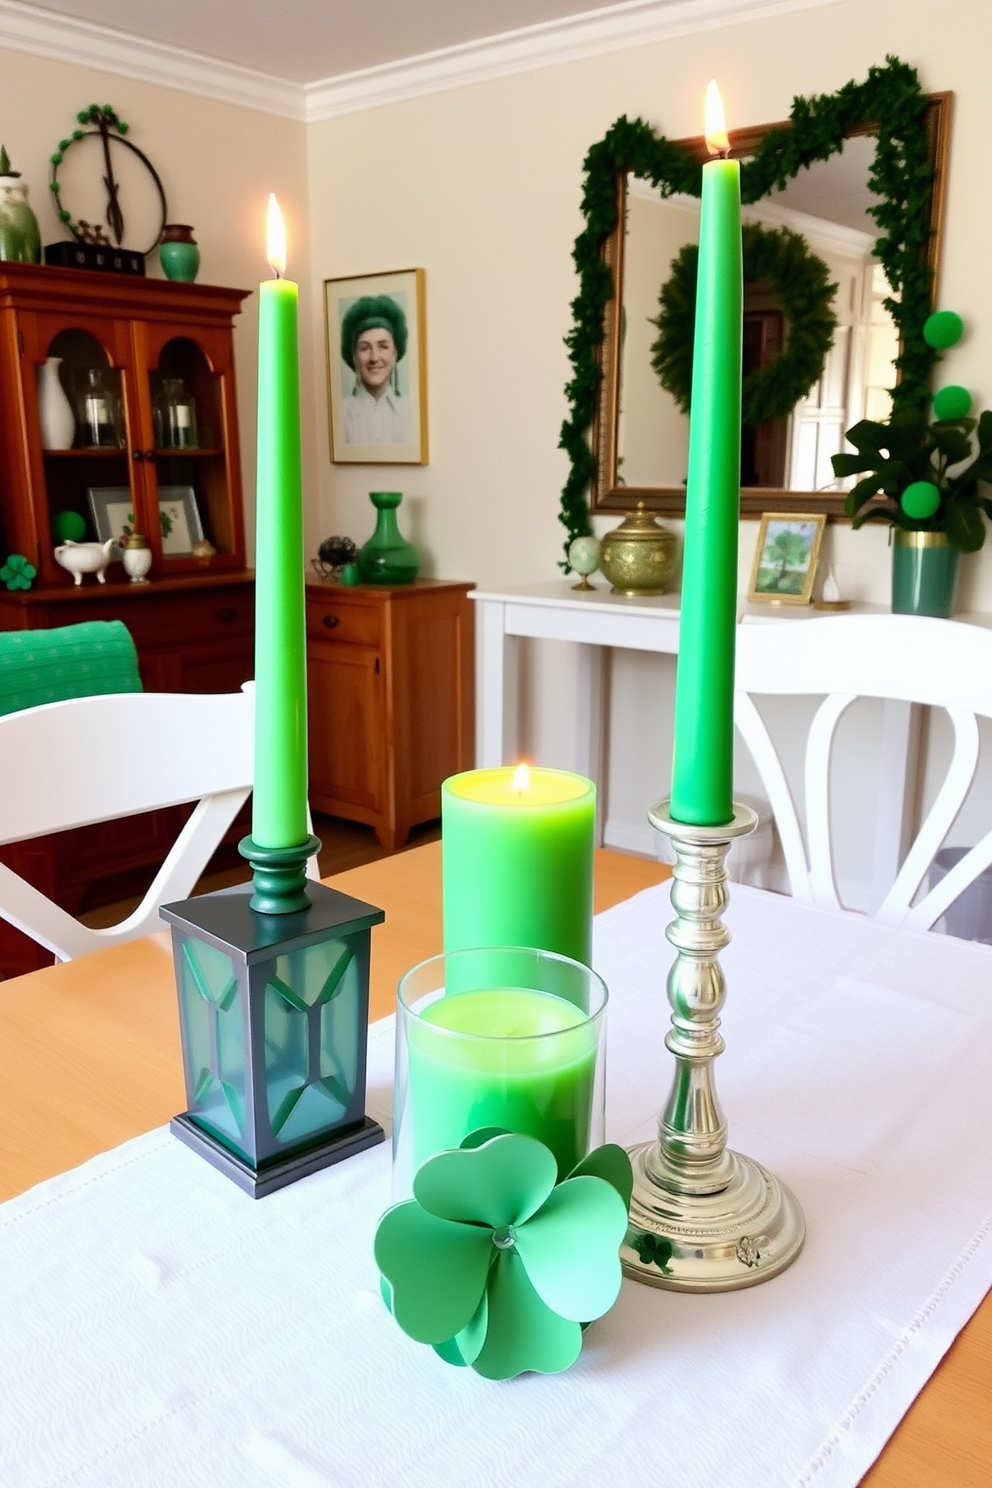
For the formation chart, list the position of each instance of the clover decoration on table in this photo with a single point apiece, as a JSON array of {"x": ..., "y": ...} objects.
[{"x": 495, "y": 1263}]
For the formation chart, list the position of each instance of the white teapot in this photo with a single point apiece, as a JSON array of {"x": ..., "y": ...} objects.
[{"x": 85, "y": 557}]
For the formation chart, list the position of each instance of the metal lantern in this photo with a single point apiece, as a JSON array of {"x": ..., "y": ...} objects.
[{"x": 273, "y": 1012}]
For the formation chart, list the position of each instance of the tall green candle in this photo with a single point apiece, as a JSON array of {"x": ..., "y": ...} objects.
[
  {"x": 279, "y": 806},
  {"x": 517, "y": 859},
  {"x": 703, "y": 751}
]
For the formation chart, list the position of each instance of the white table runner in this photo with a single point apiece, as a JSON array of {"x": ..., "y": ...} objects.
[{"x": 159, "y": 1329}]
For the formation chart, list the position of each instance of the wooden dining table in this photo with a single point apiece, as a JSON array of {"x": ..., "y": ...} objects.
[{"x": 91, "y": 1058}]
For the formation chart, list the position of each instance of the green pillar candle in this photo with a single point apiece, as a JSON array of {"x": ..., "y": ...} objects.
[
  {"x": 279, "y": 806},
  {"x": 703, "y": 750},
  {"x": 517, "y": 856},
  {"x": 509, "y": 1057}
]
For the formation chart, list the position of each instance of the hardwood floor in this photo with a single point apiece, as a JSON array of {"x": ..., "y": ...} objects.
[{"x": 344, "y": 844}]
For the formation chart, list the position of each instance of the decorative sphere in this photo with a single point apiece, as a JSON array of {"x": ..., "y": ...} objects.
[
  {"x": 952, "y": 402},
  {"x": 583, "y": 555},
  {"x": 943, "y": 329},
  {"x": 920, "y": 500},
  {"x": 68, "y": 526}
]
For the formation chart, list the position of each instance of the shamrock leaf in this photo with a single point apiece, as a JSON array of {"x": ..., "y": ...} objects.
[
  {"x": 498, "y": 1266},
  {"x": 17, "y": 572}
]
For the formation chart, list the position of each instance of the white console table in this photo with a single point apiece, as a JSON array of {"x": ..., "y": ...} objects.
[{"x": 597, "y": 620}]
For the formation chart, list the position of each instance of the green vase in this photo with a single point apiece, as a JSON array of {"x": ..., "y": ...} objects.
[
  {"x": 924, "y": 573},
  {"x": 178, "y": 253},
  {"x": 20, "y": 240},
  {"x": 387, "y": 557}
]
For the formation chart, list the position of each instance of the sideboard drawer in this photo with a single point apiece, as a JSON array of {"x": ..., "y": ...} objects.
[{"x": 348, "y": 623}]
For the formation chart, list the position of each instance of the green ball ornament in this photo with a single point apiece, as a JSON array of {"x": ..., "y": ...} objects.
[
  {"x": 942, "y": 329},
  {"x": 68, "y": 526},
  {"x": 920, "y": 500},
  {"x": 952, "y": 402}
]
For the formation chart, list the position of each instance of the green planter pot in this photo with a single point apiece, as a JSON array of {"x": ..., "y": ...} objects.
[{"x": 924, "y": 574}]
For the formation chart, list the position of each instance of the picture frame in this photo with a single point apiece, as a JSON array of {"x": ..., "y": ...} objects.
[
  {"x": 785, "y": 557},
  {"x": 379, "y": 417},
  {"x": 112, "y": 511},
  {"x": 179, "y": 516}
]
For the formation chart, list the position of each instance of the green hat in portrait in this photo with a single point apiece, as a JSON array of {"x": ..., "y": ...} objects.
[{"x": 369, "y": 311}]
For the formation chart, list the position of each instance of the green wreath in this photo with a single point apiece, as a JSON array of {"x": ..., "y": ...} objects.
[{"x": 800, "y": 283}]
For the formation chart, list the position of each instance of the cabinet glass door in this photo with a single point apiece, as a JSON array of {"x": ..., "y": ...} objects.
[
  {"x": 198, "y": 493},
  {"x": 83, "y": 426}
]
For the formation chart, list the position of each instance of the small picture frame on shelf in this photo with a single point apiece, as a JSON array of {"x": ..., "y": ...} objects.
[
  {"x": 785, "y": 557},
  {"x": 112, "y": 511},
  {"x": 180, "y": 519},
  {"x": 375, "y": 340}
]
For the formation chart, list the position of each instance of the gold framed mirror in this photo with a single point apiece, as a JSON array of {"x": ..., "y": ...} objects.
[{"x": 861, "y": 175}]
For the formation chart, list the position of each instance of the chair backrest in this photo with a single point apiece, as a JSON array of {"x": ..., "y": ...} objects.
[
  {"x": 899, "y": 659},
  {"x": 96, "y": 759}
]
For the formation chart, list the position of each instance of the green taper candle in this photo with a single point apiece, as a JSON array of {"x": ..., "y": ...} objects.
[
  {"x": 703, "y": 750},
  {"x": 279, "y": 805},
  {"x": 517, "y": 858}
]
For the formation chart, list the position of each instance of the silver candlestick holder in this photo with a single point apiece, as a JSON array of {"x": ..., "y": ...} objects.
[{"x": 702, "y": 1218}]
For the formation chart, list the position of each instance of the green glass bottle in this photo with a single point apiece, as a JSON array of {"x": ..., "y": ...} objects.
[{"x": 387, "y": 557}]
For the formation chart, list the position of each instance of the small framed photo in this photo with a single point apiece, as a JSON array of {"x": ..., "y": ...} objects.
[
  {"x": 375, "y": 339},
  {"x": 785, "y": 558},
  {"x": 112, "y": 510},
  {"x": 180, "y": 519}
]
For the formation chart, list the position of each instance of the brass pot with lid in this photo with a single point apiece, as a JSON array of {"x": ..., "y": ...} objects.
[{"x": 639, "y": 556}]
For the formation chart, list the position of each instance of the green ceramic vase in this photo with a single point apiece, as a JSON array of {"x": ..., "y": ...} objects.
[
  {"x": 178, "y": 253},
  {"x": 387, "y": 557},
  {"x": 20, "y": 240},
  {"x": 924, "y": 573}
]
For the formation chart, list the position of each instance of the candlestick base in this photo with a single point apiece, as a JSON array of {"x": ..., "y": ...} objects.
[
  {"x": 702, "y": 1218},
  {"x": 279, "y": 875}
]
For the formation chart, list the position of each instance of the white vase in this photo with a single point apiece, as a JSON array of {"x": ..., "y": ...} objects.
[{"x": 58, "y": 422}]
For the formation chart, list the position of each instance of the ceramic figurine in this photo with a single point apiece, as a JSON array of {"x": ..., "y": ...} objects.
[{"x": 85, "y": 557}]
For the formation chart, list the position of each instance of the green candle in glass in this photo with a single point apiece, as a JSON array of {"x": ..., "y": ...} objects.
[
  {"x": 505, "y": 1037},
  {"x": 703, "y": 752},
  {"x": 279, "y": 804}
]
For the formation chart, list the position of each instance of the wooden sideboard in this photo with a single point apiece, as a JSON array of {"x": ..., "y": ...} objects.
[{"x": 391, "y": 700}]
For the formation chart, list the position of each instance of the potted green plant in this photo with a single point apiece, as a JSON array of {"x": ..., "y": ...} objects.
[{"x": 923, "y": 477}]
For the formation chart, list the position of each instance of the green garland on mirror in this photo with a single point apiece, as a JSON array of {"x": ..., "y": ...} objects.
[
  {"x": 901, "y": 174},
  {"x": 801, "y": 285}
]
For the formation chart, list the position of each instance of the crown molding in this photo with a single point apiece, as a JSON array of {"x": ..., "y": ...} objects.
[
  {"x": 60, "y": 38},
  {"x": 613, "y": 28},
  {"x": 46, "y": 33}
]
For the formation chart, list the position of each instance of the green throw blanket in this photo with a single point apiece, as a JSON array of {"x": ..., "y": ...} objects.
[{"x": 46, "y": 666}]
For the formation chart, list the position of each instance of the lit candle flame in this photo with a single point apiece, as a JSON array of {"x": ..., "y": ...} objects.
[
  {"x": 276, "y": 250},
  {"x": 521, "y": 779},
  {"x": 716, "y": 122}
]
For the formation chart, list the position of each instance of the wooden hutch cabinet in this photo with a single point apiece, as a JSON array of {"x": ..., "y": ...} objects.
[
  {"x": 391, "y": 700},
  {"x": 192, "y": 622}
]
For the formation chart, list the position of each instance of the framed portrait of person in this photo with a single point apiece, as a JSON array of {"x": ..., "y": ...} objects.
[{"x": 376, "y": 368}]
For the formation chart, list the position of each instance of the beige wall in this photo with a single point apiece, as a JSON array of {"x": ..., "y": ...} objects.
[{"x": 217, "y": 164}]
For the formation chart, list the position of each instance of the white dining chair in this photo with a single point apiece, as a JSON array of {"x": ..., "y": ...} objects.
[
  {"x": 97, "y": 759},
  {"x": 896, "y": 658}
]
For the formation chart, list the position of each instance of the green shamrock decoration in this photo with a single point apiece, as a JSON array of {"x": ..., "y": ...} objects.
[
  {"x": 17, "y": 572},
  {"x": 498, "y": 1266}
]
